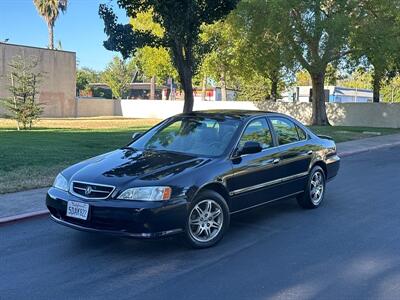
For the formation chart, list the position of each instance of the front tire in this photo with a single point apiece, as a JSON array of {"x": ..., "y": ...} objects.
[
  {"x": 315, "y": 190},
  {"x": 207, "y": 220}
]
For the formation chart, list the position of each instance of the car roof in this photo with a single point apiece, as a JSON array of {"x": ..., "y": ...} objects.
[{"x": 233, "y": 113}]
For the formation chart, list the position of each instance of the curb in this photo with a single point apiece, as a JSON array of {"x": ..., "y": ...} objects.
[
  {"x": 20, "y": 217},
  {"x": 382, "y": 146}
]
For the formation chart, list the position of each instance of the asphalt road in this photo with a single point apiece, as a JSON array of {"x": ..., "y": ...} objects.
[{"x": 347, "y": 249}]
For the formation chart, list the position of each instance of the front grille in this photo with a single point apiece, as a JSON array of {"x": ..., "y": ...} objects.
[{"x": 89, "y": 190}]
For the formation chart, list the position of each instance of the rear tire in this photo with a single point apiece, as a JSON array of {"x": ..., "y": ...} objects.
[
  {"x": 207, "y": 220},
  {"x": 315, "y": 189}
]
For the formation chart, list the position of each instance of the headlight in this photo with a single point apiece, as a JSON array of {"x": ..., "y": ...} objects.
[
  {"x": 151, "y": 193},
  {"x": 61, "y": 183}
]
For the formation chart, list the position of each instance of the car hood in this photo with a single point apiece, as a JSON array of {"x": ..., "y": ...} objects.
[{"x": 122, "y": 166}]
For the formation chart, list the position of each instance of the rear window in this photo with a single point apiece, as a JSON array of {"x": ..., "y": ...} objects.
[{"x": 285, "y": 130}]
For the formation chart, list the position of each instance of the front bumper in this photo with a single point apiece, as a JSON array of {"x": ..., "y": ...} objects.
[{"x": 136, "y": 219}]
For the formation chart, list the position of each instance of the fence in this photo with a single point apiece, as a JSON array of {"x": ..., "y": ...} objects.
[{"x": 339, "y": 114}]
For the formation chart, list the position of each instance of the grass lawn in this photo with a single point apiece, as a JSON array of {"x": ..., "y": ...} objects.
[
  {"x": 31, "y": 159},
  {"x": 343, "y": 133}
]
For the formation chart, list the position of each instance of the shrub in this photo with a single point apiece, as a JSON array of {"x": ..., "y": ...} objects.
[{"x": 23, "y": 87}]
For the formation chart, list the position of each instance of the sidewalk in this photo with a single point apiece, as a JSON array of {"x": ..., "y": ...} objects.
[
  {"x": 368, "y": 144},
  {"x": 21, "y": 205}
]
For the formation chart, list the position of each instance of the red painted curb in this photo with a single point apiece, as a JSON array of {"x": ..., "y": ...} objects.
[{"x": 15, "y": 218}]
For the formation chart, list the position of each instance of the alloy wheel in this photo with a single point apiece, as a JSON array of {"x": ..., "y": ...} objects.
[
  {"x": 317, "y": 187},
  {"x": 205, "y": 220}
]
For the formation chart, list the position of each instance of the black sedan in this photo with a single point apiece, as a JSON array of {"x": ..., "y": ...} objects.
[{"x": 189, "y": 173}]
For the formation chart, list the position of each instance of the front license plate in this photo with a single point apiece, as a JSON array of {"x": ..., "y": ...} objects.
[{"x": 77, "y": 210}]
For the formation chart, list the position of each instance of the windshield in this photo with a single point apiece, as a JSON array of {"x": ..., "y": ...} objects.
[{"x": 191, "y": 135}]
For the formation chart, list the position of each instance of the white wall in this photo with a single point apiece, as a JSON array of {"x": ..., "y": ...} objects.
[
  {"x": 343, "y": 114},
  {"x": 340, "y": 114},
  {"x": 157, "y": 109}
]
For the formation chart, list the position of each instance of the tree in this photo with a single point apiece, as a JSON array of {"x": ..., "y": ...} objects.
[
  {"x": 49, "y": 10},
  {"x": 85, "y": 76},
  {"x": 180, "y": 20},
  {"x": 220, "y": 63},
  {"x": 360, "y": 78},
  {"x": 303, "y": 78},
  {"x": 261, "y": 49},
  {"x": 24, "y": 85},
  {"x": 391, "y": 90},
  {"x": 118, "y": 75},
  {"x": 377, "y": 39},
  {"x": 317, "y": 33},
  {"x": 153, "y": 61},
  {"x": 253, "y": 87}
]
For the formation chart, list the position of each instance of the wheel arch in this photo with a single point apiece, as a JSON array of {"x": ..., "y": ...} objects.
[
  {"x": 321, "y": 164},
  {"x": 218, "y": 188}
]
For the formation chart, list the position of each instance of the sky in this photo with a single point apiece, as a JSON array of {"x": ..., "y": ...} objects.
[{"x": 80, "y": 29}]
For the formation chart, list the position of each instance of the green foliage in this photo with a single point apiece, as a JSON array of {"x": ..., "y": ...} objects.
[
  {"x": 260, "y": 48},
  {"x": 332, "y": 77},
  {"x": 391, "y": 90},
  {"x": 376, "y": 40},
  {"x": 245, "y": 54},
  {"x": 360, "y": 78},
  {"x": 222, "y": 58},
  {"x": 180, "y": 21},
  {"x": 153, "y": 61},
  {"x": 118, "y": 75},
  {"x": 317, "y": 33},
  {"x": 303, "y": 78},
  {"x": 24, "y": 82},
  {"x": 100, "y": 92},
  {"x": 84, "y": 77},
  {"x": 254, "y": 88}
]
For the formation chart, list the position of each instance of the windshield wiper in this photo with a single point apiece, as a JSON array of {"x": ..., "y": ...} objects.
[{"x": 129, "y": 148}]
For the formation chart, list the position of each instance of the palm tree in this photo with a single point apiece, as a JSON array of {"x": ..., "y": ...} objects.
[{"x": 49, "y": 10}]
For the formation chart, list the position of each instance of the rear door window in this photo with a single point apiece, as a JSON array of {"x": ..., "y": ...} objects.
[
  {"x": 285, "y": 130},
  {"x": 301, "y": 133}
]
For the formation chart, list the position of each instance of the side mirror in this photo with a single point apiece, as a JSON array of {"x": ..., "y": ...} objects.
[
  {"x": 136, "y": 135},
  {"x": 250, "y": 148}
]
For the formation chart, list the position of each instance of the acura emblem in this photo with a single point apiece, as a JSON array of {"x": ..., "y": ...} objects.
[{"x": 88, "y": 190}]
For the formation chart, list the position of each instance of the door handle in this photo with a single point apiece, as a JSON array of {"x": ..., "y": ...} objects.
[
  {"x": 276, "y": 161},
  {"x": 310, "y": 152},
  {"x": 270, "y": 161}
]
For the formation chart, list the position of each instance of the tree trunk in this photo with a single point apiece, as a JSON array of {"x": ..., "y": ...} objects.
[
  {"x": 223, "y": 87},
  {"x": 274, "y": 90},
  {"x": 189, "y": 99},
  {"x": 51, "y": 35},
  {"x": 319, "y": 116},
  {"x": 186, "y": 80},
  {"x": 15, "y": 102},
  {"x": 153, "y": 88},
  {"x": 183, "y": 63},
  {"x": 204, "y": 88},
  {"x": 376, "y": 82}
]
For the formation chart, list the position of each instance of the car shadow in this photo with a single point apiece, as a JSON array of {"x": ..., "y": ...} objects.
[{"x": 257, "y": 218}]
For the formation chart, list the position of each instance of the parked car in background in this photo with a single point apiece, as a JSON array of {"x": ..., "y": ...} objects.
[{"x": 191, "y": 172}]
